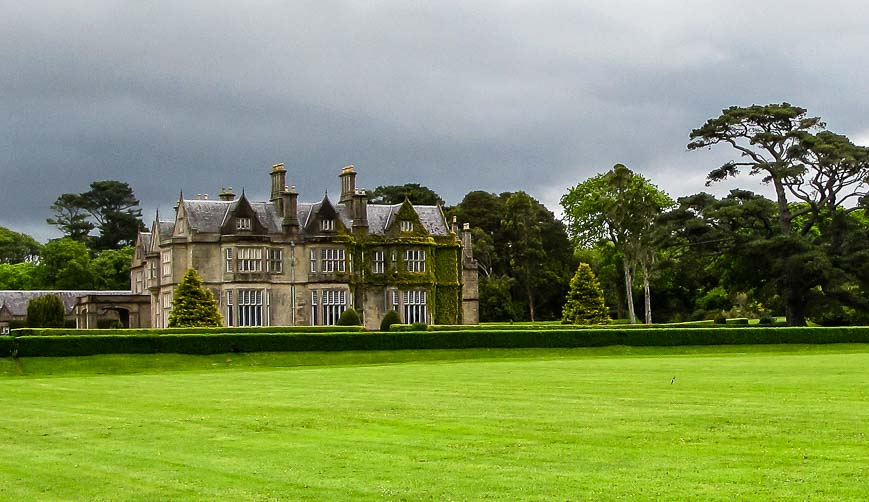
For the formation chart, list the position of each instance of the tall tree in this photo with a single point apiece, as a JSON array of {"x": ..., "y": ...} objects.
[
  {"x": 538, "y": 254},
  {"x": 812, "y": 172},
  {"x": 16, "y": 247},
  {"x": 619, "y": 206},
  {"x": 414, "y": 192},
  {"x": 71, "y": 217},
  {"x": 112, "y": 207}
]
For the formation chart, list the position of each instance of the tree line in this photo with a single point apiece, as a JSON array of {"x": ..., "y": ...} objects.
[{"x": 803, "y": 254}]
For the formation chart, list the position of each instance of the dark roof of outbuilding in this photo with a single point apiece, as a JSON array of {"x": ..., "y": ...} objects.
[{"x": 16, "y": 301}]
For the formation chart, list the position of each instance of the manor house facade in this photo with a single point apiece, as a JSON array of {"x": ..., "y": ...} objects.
[{"x": 286, "y": 263}]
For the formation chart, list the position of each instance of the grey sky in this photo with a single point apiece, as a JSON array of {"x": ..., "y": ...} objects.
[{"x": 458, "y": 96}]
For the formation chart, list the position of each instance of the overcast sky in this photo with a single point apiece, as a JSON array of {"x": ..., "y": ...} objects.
[{"x": 458, "y": 96}]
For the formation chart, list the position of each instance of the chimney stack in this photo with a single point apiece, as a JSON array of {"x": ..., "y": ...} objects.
[
  {"x": 226, "y": 194},
  {"x": 290, "y": 203},
  {"x": 279, "y": 180},
  {"x": 348, "y": 184}
]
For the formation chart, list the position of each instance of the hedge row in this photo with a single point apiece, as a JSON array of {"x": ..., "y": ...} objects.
[
  {"x": 182, "y": 331},
  {"x": 6, "y": 343},
  {"x": 740, "y": 322},
  {"x": 74, "y": 345}
]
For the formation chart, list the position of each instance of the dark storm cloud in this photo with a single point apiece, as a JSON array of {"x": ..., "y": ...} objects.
[{"x": 455, "y": 95}]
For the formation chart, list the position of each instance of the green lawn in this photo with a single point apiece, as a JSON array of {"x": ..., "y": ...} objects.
[{"x": 773, "y": 422}]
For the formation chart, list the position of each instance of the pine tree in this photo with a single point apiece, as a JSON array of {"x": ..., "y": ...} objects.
[
  {"x": 193, "y": 305},
  {"x": 585, "y": 302}
]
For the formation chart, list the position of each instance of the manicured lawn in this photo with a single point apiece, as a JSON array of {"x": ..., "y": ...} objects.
[{"x": 769, "y": 422}]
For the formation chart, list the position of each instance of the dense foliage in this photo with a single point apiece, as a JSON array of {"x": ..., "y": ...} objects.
[
  {"x": 391, "y": 317},
  {"x": 193, "y": 305},
  {"x": 45, "y": 311}
]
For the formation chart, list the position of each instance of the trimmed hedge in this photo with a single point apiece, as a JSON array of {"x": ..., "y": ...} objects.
[
  {"x": 75, "y": 345},
  {"x": 6, "y": 344},
  {"x": 180, "y": 331}
]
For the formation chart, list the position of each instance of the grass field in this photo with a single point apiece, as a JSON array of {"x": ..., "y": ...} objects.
[{"x": 772, "y": 422}]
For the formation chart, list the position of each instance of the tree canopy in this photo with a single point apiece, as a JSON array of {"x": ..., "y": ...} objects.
[
  {"x": 814, "y": 174},
  {"x": 17, "y": 247},
  {"x": 108, "y": 206},
  {"x": 414, "y": 192}
]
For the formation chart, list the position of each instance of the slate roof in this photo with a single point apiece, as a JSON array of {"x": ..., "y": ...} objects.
[
  {"x": 207, "y": 216},
  {"x": 16, "y": 301}
]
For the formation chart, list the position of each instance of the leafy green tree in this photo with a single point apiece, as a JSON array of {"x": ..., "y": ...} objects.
[
  {"x": 414, "y": 192},
  {"x": 19, "y": 276},
  {"x": 193, "y": 306},
  {"x": 349, "y": 318},
  {"x": 111, "y": 268},
  {"x": 501, "y": 234},
  {"x": 585, "y": 300},
  {"x": 536, "y": 260},
  {"x": 16, "y": 247},
  {"x": 619, "y": 206},
  {"x": 112, "y": 207},
  {"x": 45, "y": 311},
  {"x": 65, "y": 264},
  {"x": 813, "y": 173}
]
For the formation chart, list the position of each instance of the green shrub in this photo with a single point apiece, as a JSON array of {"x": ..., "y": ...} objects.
[
  {"x": 766, "y": 320},
  {"x": 45, "y": 311},
  {"x": 585, "y": 301},
  {"x": 349, "y": 318},
  {"x": 720, "y": 319},
  {"x": 177, "y": 331},
  {"x": 737, "y": 320},
  {"x": 419, "y": 326},
  {"x": 6, "y": 346},
  {"x": 199, "y": 343},
  {"x": 389, "y": 319},
  {"x": 193, "y": 305}
]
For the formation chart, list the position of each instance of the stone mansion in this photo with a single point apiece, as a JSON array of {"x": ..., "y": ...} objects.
[{"x": 287, "y": 263}]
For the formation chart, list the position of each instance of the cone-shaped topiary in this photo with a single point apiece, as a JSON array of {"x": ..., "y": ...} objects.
[
  {"x": 585, "y": 303},
  {"x": 193, "y": 305},
  {"x": 389, "y": 319},
  {"x": 349, "y": 318}
]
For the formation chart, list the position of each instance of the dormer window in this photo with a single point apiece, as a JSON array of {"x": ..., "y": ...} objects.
[
  {"x": 327, "y": 225},
  {"x": 242, "y": 224},
  {"x": 406, "y": 226}
]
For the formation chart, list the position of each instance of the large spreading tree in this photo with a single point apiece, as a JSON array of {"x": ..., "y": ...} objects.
[
  {"x": 109, "y": 206},
  {"x": 816, "y": 175}
]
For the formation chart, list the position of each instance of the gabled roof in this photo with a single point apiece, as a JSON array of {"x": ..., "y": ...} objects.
[
  {"x": 209, "y": 216},
  {"x": 380, "y": 217}
]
